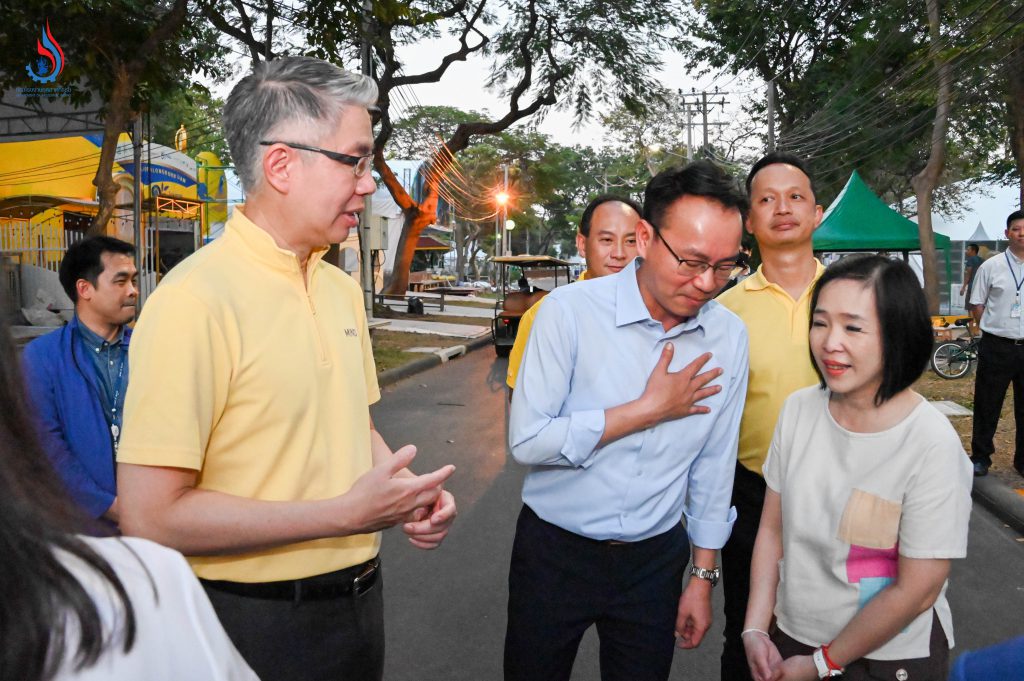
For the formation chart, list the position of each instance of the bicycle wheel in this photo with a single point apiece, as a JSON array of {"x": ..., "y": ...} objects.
[{"x": 950, "y": 361}]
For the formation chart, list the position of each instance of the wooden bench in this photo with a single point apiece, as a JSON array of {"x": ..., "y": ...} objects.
[{"x": 428, "y": 301}]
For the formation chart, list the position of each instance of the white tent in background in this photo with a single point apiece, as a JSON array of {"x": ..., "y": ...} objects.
[
  {"x": 985, "y": 207},
  {"x": 979, "y": 235}
]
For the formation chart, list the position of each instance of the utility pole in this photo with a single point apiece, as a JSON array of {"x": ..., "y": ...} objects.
[
  {"x": 365, "y": 254},
  {"x": 506, "y": 237},
  {"x": 138, "y": 229},
  {"x": 689, "y": 135},
  {"x": 704, "y": 115},
  {"x": 698, "y": 102},
  {"x": 771, "y": 116}
]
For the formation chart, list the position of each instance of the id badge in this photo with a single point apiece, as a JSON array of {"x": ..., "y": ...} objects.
[{"x": 1015, "y": 310}]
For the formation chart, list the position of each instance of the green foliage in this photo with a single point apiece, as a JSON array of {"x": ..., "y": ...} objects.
[
  {"x": 199, "y": 111},
  {"x": 98, "y": 38},
  {"x": 424, "y": 128},
  {"x": 856, "y": 88},
  {"x": 601, "y": 51}
]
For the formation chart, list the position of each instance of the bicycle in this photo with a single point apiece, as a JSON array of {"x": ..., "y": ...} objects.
[{"x": 954, "y": 359}]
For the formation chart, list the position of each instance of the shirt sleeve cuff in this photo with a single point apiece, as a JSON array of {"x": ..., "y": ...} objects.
[
  {"x": 710, "y": 534},
  {"x": 585, "y": 431}
]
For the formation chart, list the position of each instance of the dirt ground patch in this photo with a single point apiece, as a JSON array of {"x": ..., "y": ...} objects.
[{"x": 961, "y": 391}]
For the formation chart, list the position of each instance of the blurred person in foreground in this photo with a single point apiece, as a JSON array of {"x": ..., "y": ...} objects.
[{"x": 89, "y": 608}]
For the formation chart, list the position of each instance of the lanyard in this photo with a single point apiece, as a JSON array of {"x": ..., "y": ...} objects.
[
  {"x": 1014, "y": 274},
  {"x": 115, "y": 426}
]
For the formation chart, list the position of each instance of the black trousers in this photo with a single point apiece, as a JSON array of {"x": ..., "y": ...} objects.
[
  {"x": 1000, "y": 364},
  {"x": 561, "y": 583},
  {"x": 334, "y": 639},
  {"x": 935, "y": 667},
  {"x": 748, "y": 497}
]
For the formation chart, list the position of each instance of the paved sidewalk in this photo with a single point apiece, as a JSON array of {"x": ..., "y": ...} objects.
[{"x": 437, "y": 328}]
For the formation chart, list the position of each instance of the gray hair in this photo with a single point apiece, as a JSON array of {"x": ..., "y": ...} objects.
[{"x": 283, "y": 92}]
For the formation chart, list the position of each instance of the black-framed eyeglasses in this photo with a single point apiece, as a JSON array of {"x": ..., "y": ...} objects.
[
  {"x": 722, "y": 271},
  {"x": 360, "y": 164}
]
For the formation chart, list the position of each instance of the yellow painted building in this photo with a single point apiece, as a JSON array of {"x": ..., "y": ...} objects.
[{"x": 47, "y": 196}]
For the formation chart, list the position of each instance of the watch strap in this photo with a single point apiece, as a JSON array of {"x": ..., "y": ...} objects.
[
  {"x": 709, "y": 575},
  {"x": 825, "y": 670}
]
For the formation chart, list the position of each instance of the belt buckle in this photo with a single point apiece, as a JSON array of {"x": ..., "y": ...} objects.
[{"x": 365, "y": 580}]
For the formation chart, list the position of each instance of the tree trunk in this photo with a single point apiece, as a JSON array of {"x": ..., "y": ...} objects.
[
  {"x": 927, "y": 180},
  {"x": 116, "y": 121},
  {"x": 417, "y": 218},
  {"x": 119, "y": 110},
  {"x": 461, "y": 243},
  {"x": 1015, "y": 108}
]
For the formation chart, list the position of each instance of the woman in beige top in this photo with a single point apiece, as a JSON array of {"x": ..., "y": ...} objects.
[{"x": 868, "y": 496}]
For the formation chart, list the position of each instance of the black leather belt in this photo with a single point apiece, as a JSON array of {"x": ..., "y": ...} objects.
[
  {"x": 351, "y": 581},
  {"x": 1001, "y": 339}
]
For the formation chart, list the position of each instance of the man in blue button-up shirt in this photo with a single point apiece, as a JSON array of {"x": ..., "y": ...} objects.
[
  {"x": 627, "y": 411},
  {"x": 77, "y": 376}
]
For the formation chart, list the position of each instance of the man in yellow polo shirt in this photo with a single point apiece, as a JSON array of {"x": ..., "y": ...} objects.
[
  {"x": 774, "y": 304},
  {"x": 607, "y": 241},
  {"x": 248, "y": 443}
]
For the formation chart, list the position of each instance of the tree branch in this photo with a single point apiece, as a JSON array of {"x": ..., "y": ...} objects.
[
  {"x": 246, "y": 38},
  {"x": 460, "y": 55}
]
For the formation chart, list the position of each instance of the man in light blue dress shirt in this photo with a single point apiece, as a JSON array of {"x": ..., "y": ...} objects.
[{"x": 627, "y": 411}]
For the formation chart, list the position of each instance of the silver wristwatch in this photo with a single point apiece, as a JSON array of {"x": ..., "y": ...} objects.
[{"x": 703, "y": 573}]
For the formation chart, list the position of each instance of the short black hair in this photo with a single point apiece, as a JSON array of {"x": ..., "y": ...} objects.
[
  {"x": 905, "y": 324},
  {"x": 974, "y": 246},
  {"x": 1015, "y": 215},
  {"x": 782, "y": 157},
  {"x": 84, "y": 261},
  {"x": 700, "y": 178},
  {"x": 588, "y": 212}
]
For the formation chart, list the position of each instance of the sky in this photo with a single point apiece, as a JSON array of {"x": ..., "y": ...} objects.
[{"x": 463, "y": 87}]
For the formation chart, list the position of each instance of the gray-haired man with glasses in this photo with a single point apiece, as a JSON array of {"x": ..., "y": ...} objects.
[
  {"x": 248, "y": 443},
  {"x": 627, "y": 411}
]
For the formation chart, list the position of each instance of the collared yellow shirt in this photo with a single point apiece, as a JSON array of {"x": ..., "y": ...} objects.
[
  {"x": 515, "y": 357},
  {"x": 260, "y": 384},
  {"x": 780, "y": 359}
]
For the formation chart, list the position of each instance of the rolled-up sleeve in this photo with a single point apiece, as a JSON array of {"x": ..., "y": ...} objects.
[
  {"x": 709, "y": 515},
  {"x": 539, "y": 432}
]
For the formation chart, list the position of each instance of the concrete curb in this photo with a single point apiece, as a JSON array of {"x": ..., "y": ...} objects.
[
  {"x": 392, "y": 376},
  {"x": 1000, "y": 500}
]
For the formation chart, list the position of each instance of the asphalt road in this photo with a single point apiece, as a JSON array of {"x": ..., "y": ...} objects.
[{"x": 445, "y": 609}]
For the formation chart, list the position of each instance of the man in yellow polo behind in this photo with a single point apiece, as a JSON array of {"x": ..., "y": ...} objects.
[
  {"x": 774, "y": 304},
  {"x": 607, "y": 241}
]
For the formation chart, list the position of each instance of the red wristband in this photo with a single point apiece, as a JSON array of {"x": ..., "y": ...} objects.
[{"x": 828, "y": 659}]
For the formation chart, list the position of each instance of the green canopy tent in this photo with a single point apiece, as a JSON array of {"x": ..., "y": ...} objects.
[{"x": 860, "y": 221}]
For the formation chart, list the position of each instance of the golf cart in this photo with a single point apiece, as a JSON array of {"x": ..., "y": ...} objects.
[{"x": 540, "y": 274}]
